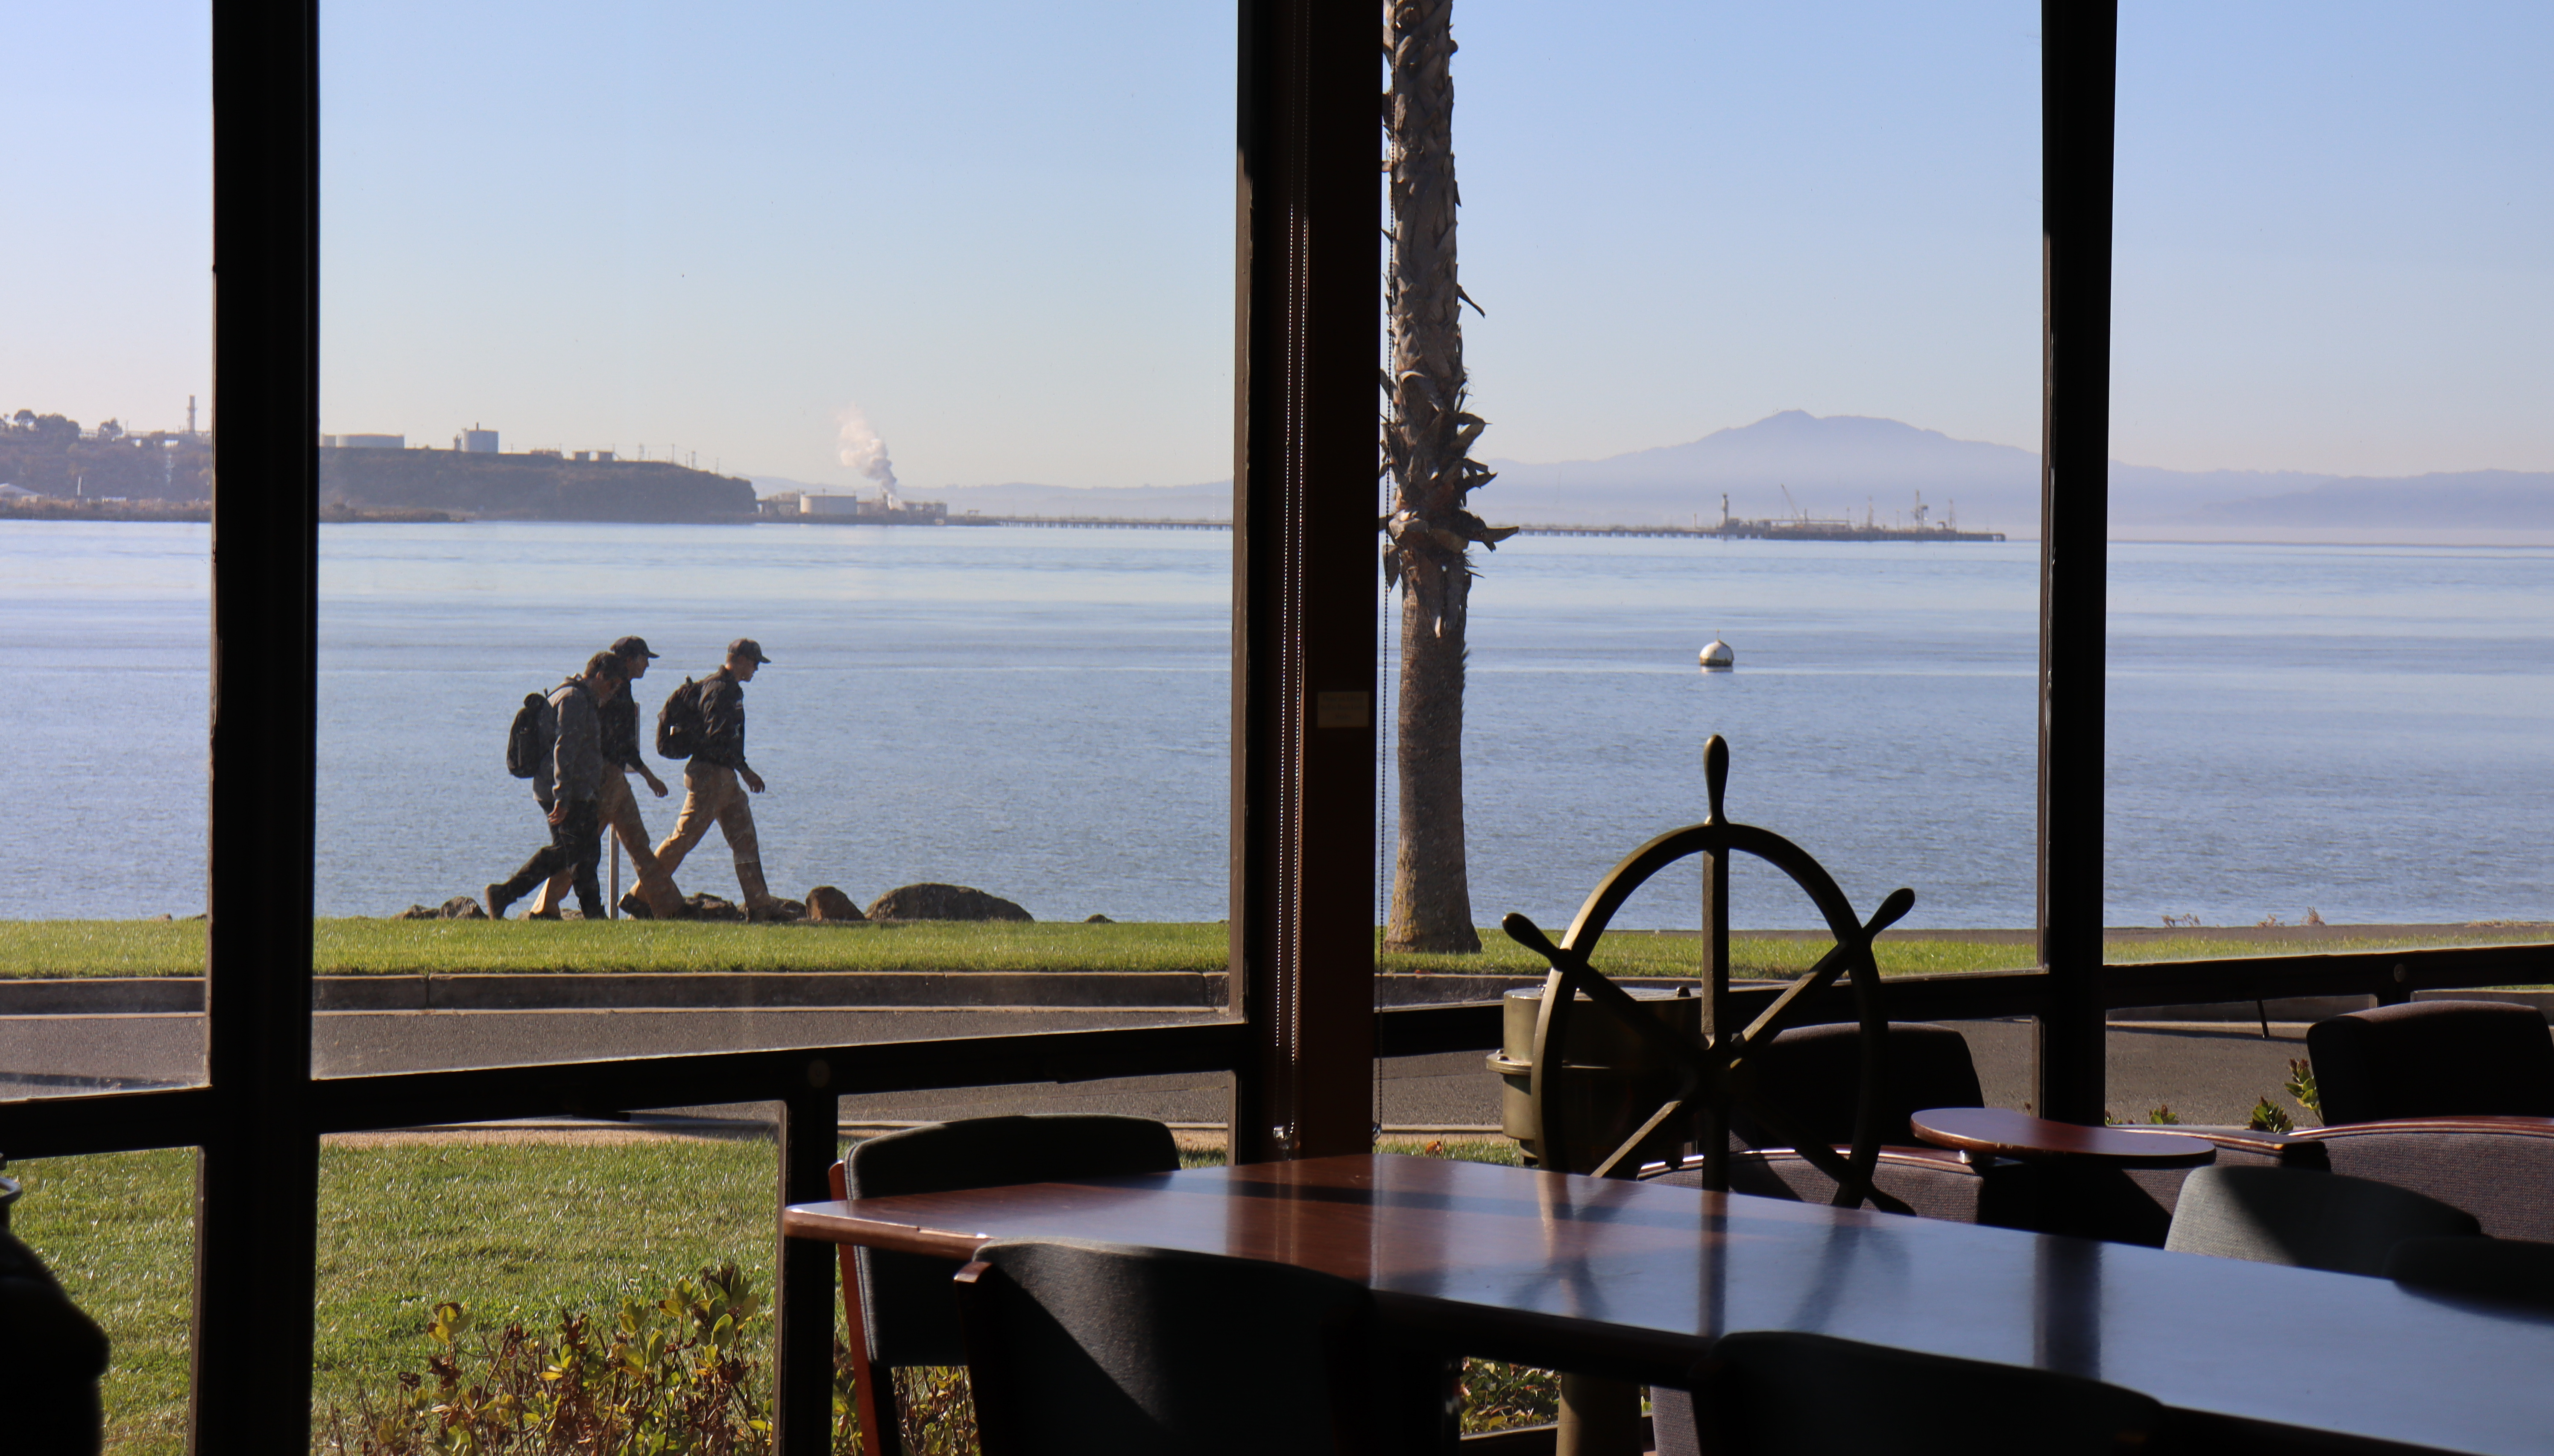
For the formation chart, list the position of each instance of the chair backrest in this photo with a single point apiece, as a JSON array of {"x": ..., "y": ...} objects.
[
  {"x": 907, "y": 1314},
  {"x": 2513, "y": 1270},
  {"x": 1108, "y": 1348},
  {"x": 2303, "y": 1217},
  {"x": 53, "y": 1355},
  {"x": 1814, "y": 1073},
  {"x": 2500, "y": 1175},
  {"x": 1780, "y": 1393},
  {"x": 2433, "y": 1059}
]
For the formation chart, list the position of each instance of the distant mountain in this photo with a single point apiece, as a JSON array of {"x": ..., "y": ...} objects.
[
  {"x": 1840, "y": 465},
  {"x": 1847, "y": 465}
]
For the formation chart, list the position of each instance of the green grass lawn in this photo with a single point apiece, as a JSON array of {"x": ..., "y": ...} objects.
[
  {"x": 142, "y": 947},
  {"x": 516, "y": 1232}
]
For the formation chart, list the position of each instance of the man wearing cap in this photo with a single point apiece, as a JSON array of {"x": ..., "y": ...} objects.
[
  {"x": 655, "y": 895},
  {"x": 712, "y": 791},
  {"x": 567, "y": 785}
]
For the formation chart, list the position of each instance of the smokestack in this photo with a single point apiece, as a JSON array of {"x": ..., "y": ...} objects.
[{"x": 866, "y": 453}]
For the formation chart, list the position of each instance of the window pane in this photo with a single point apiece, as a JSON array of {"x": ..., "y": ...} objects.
[
  {"x": 1762, "y": 286},
  {"x": 2330, "y": 636},
  {"x": 757, "y": 332},
  {"x": 543, "y": 1235},
  {"x": 105, "y": 581}
]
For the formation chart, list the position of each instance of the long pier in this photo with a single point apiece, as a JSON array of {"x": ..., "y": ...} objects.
[
  {"x": 1095, "y": 522},
  {"x": 1772, "y": 530},
  {"x": 1736, "y": 530}
]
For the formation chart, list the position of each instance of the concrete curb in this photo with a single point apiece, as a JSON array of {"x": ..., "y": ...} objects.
[
  {"x": 2288, "y": 1008},
  {"x": 2316, "y": 1008},
  {"x": 1142, "y": 990},
  {"x": 1131, "y": 990}
]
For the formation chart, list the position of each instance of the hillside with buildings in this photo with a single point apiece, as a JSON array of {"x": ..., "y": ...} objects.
[
  {"x": 54, "y": 456},
  {"x": 368, "y": 473}
]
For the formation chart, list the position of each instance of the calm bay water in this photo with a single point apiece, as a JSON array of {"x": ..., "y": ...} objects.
[{"x": 1043, "y": 713}]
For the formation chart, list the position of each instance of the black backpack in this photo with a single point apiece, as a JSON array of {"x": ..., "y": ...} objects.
[
  {"x": 528, "y": 742},
  {"x": 679, "y": 728}
]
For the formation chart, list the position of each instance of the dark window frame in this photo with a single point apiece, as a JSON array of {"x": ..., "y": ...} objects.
[{"x": 1305, "y": 1030}]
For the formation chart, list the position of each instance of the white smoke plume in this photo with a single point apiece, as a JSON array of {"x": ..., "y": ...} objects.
[{"x": 863, "y": 450}]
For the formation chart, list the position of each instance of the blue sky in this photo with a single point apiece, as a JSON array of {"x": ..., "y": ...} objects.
[{"x": 1008, "y": 238}]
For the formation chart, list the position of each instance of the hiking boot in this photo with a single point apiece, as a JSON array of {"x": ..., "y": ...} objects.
[
  {"x": 496, "y": 901},
  {"x": 636, "y": 908},
  {"x": 550, "y": 914}
]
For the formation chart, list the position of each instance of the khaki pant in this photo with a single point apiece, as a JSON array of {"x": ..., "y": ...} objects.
[
  {"x": 617, "y": 806},
  {"x": 714, "y": 795}
]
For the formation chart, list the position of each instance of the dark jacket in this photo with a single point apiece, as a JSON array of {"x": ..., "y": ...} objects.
[
  {"x": 621, "y": 729},
  {"x": 722, "y": 721},
  {"x": 576, "y": 759}
]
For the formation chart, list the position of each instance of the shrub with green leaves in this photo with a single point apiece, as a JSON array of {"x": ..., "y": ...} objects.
[
  {"x": 677, "y": 1378},
  {"x": 2301, "y": 1086},
  {"x": 1500, "y": 1397}
]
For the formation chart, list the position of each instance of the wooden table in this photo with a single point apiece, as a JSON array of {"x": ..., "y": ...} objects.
[
  {"x": 2001, "y": 1132},
  {"x": 1635, "y": 1280}
]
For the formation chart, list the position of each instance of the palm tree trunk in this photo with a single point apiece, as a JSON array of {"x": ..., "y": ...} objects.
[
  {"x": 1432, "y": 893},
  {"x": 1426, "y": 445}
]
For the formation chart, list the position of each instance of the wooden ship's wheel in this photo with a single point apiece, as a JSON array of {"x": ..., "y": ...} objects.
[{"x": 1708, "y": 1079}]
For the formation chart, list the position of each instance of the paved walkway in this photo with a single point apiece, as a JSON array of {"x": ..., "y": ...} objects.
[{"x": 2206, "y": 1073}]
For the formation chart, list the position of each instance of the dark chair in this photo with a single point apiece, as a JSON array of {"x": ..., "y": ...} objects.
[
  {"x": 2502, "y": 1174},
  {"x": 1811, "y": 1074},
  {"x": 2135, "y": 1205},
  {"x": 1106, "y": 1348},
  {"x": 1778, "y": 1394},
  {"x": 2511, "y": 1270},
  {"x": 2298, "y": 1216},
  {"x": 900, "y": 1305},
  {"x": 2433, "y": 1059},
  {"x": 52, "y": 1355}
]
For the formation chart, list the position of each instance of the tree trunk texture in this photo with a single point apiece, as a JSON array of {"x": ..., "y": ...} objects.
[{"x": 1428, "y": 439}]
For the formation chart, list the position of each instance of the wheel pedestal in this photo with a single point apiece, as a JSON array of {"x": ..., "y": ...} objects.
[{"x": 1600, "y": 1417}]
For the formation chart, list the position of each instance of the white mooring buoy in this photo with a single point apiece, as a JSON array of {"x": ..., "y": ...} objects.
[{"x": 1717, "y": 657}]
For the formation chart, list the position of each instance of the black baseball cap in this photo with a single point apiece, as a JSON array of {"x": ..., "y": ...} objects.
[
  {"x": 632, "y": 647},
  {"x": 746, "y": 648}
]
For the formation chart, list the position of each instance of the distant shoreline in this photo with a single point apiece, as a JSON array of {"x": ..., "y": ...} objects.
[
  {"x": 201, "y": 511},
  {"x": 48, "y": 508}
]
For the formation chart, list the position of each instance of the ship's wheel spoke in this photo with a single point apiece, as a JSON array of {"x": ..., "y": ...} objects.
[
  {"x": 1577, "y": 975},
  {"x": 1630, "y": 1147},
  {"x": 1852, "y": 1176},
  {"x": 1842, "y": 956}
]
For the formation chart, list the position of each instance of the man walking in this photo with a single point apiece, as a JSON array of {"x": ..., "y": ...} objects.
[
  {"x": 568, "y": 784},
  {"x": 617, "y": 806},
  {"x": 712, "y": 792}
]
